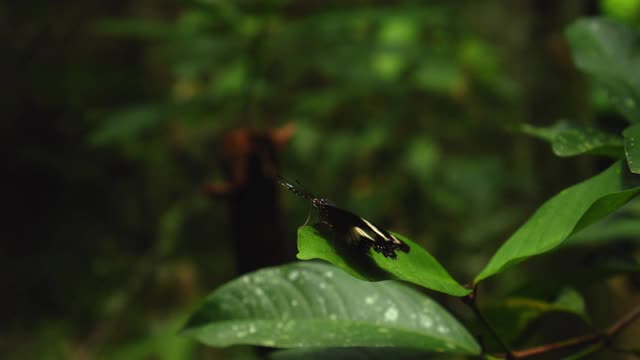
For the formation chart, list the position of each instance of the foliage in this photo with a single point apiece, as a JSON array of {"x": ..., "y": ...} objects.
[
  {"x": 403, "y": 113},
  {"x": 608, "y": 52},
  {"x": 571, "y": 140},
  {"x": 566, "y": 213},
  {"x": 631, "y": 149},
  {"x": 418, "y": 266},
  {"x": 315, "y": 305},
  {"x": 603, "y": 49}
]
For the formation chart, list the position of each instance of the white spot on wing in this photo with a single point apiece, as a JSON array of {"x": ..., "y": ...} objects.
[
  {"x": 395, "y": 239},
  {"x": 362, "y": 233},
  {"x": 375, "y": 229}
]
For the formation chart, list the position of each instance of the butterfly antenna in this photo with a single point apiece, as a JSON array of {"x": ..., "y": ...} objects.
[
  {"x": 301, "y": 186},
  {"x": 298, "y": 190},
  {"x": 287, "y": 184}
]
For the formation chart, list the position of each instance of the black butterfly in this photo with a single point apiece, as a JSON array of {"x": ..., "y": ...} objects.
[{"x": 357, "y": 230}]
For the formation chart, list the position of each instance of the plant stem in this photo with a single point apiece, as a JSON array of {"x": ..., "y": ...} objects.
[
  {"x": 565, "y": 344},
  {"x": 623, "y": 322},
  {"x": 470, "y": 300},
  {"x": 602, "y": 338}
]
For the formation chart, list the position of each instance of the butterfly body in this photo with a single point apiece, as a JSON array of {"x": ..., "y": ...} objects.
[{"x": 357, "y": 230}]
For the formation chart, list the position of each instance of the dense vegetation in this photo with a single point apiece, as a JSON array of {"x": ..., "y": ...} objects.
[{"x": 498, "y": 140}]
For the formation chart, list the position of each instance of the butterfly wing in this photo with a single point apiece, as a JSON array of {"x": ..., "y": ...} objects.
[
  {"x": 360, "y": 231},
  {"x": 355, "y": 229}
]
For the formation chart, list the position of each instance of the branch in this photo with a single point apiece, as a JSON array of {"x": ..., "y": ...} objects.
[
  {"x": 630, "y": 317},
  {"x": 604, "y": 338},
  {"x": 470, "y": 300}
]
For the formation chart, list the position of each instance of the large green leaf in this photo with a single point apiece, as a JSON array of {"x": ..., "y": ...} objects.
[
  {"x": 355, "y": 353},
  {"x": 318, "y": 305},
  {"x": 632, "y": 147},
  {"x": 418, "y": 266},
  {"x": 571, "y": 140},
  {"x": 610, "y": 52},
  {"x": 566, "y": 213}
]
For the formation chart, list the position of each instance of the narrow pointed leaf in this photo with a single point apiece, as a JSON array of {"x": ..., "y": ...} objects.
[
  {"x": 632, "y": 147},
  {"x": 566, "y": 213},
  {"x": 417, "y": 266},
  {"x": 317, "y": 305}
]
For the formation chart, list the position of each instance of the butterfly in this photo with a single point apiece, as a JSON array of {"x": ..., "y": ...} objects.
[{"x": 357, "y": 230}]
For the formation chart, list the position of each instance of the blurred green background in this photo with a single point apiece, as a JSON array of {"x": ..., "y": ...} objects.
[{"x": 403, "y": 112}]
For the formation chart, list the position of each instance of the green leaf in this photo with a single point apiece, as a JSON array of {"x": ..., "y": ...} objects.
[
  {"x": 571, "y": 140},
  {"x": 513, "y": 315},
  {"x": 627, "y": 10},
  {"x": 608, "y": 51},
  {"x": 631, "y": 148},
  {"x": 418, "y": 266},
  {"x": 353, "y": 353},
  {"x": 317, "y": 305},
  {"x": 563, "y": 215},
  {"x": 569, "y": 300},
  {"x": 608, "y": 231}
]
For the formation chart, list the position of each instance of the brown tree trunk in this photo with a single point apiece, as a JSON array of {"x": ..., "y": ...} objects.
[{"x": 250, "y": 161}]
